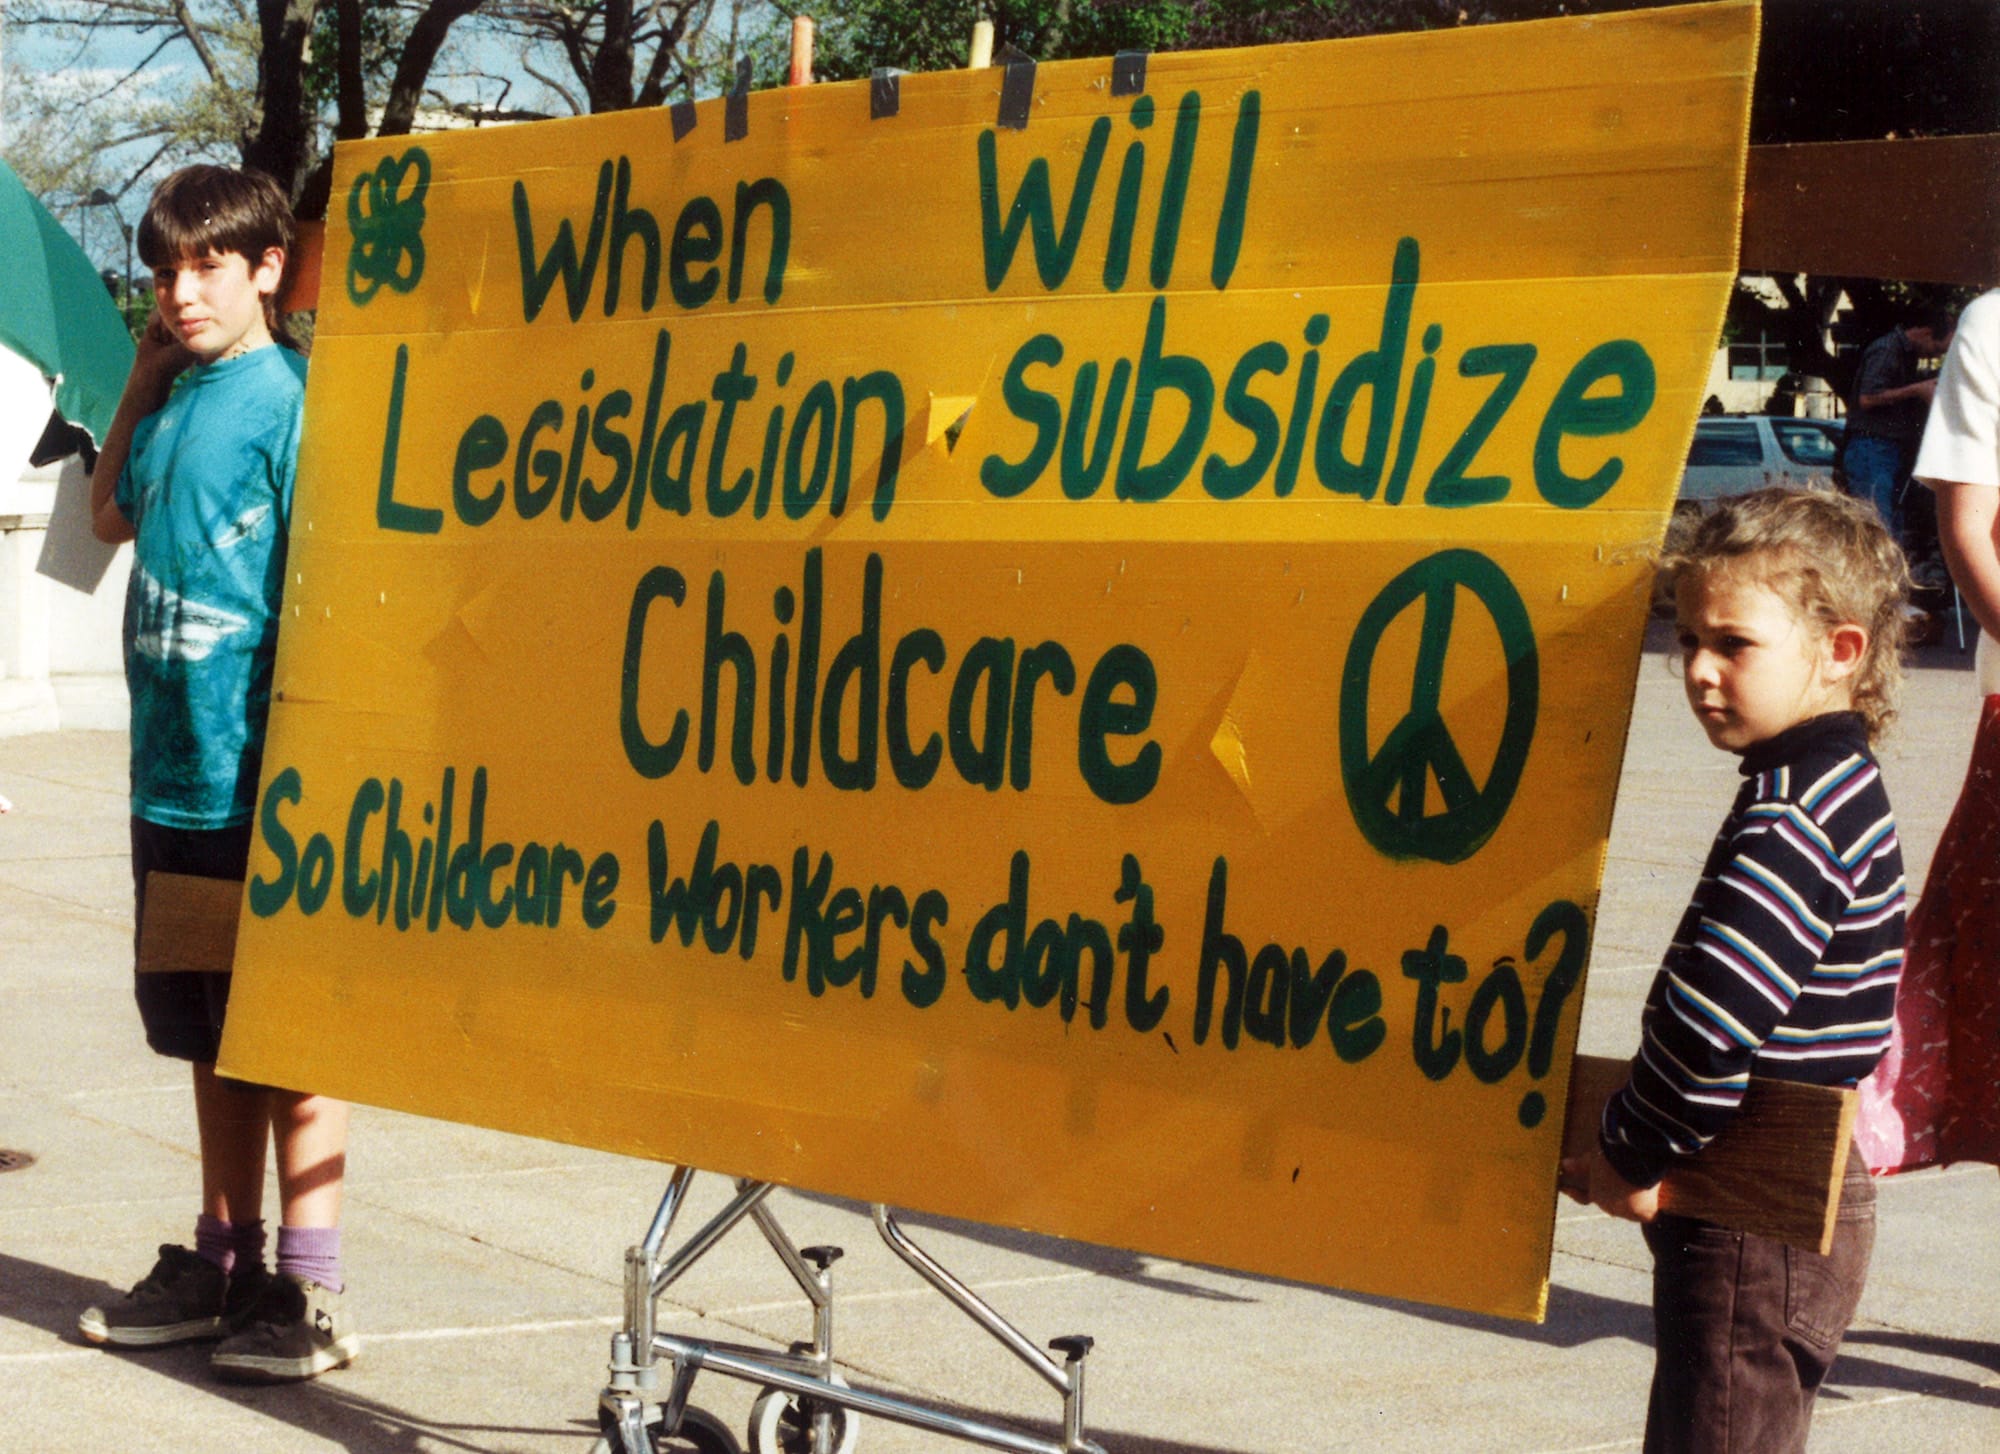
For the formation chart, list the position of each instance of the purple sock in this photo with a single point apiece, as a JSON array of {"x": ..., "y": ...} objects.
[
  {"x": 312, "y": 1252},
  {"x": 229, "y": 1245},
  {"x": 215, "y": 1241}
]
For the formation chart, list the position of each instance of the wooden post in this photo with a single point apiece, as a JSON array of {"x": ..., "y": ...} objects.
[
  {"x": 982, "y": 46},
  {"x": 1909, "y": 209},
  {"x": 299, "y": 292},
  {"x": 802, "y": 52}
]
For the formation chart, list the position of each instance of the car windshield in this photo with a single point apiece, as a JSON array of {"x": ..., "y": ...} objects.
[
  {"x": 1805, "y": 442},
  {"x": 1717, "y": 443}
]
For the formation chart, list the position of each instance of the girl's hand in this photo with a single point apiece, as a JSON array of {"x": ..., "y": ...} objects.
[{"x": 1591, "y": 1180}]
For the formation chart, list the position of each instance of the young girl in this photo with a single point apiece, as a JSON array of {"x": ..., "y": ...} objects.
[{"x": 1789, "y": 608}]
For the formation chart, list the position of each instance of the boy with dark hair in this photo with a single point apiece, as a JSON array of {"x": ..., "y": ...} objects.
[{"x": 198, "y": 469}]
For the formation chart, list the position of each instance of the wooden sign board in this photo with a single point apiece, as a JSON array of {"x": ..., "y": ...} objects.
[
  {"x": 1775, "y": 1171},
  {"x": 1049, "y": 646}
]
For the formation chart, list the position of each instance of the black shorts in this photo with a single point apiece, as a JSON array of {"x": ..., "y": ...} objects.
[{"x": 182, "y": 1010}]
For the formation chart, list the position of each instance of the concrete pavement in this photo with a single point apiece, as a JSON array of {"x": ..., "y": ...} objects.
[{"x": 486, "y": 1268}]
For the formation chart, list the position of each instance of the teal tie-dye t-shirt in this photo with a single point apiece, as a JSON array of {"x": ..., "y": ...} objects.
[{"x": 208, "y": 487}]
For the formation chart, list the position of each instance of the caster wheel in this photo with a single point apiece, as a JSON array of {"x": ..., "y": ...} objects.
[
  {"x": 700, "y": 1433},
  {"x": 781, "y": 1423}
]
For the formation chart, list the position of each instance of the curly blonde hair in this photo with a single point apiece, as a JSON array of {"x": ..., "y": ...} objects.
[{"x": 1826, "y": 555}]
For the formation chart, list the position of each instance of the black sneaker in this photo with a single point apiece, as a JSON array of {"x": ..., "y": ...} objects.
[
  {"x": 246, "y": 1287},
  {"x": 296, "y": 1330},
  {"x": 179, "y": 1301}
]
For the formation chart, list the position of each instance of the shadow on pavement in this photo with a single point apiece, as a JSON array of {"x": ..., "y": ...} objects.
[
  {"x": 50, "y": 1298},
  {"x": 1966, "y": 1350},
  {"x": 1859, "y": 1372},
  {"x": 1574, "y": 1319},
  {"x": 1132, "y": 1267}
]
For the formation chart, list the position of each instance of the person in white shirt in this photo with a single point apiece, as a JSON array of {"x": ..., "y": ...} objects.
[
  {"x": 1960, "y": 461},
  {"x": 1948, "y": 1099}
]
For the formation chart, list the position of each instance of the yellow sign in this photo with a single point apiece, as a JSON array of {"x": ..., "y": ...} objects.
[{"x": 1051, "y": 647}]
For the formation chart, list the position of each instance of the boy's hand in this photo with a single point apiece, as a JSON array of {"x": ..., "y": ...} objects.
[
  {"x": 159, "y": 360},
  {"x": 1592, "y": 1181}
]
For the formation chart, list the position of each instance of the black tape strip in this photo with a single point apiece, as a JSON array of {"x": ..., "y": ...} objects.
[
  {"x": 736, "y": 109},
  {"x": 681, "y": 113},
  {"x": 1128, "y": 73},
  {"x": 1017, "y": 88},
  {"x": 885, "y": 93}
]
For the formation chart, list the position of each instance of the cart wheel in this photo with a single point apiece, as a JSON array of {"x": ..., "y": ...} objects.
[
  {"x": 781, "y": 1423},
  {"x": 700, "y": 1433}
]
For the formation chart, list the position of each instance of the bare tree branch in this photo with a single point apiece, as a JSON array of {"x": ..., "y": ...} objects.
[
  {"x": 667, "y": 53},
  {"x": 414, "y": 68},
  {"x": 195, "y": 38},
  {"x": 621, "y": 53},
  {"x": 140, "y": 171},
  {"x": 351, "y": 98},
  {"x": 131, "y": 136},
  {"x": 569, "y": 97},
  {"x": 611, "y": 67},
  {"x": 130, "y": 75},
  {"x": 570, "y": 35},
  {"x": 282, "y": 145}
]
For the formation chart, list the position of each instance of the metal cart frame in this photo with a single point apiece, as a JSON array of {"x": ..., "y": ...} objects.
[{"x": 806, "y": 1408}]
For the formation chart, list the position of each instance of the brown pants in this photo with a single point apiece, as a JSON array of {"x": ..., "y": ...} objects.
[{"x": 1746, "y": 1328}]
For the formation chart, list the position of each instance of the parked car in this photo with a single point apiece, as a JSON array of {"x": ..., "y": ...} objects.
[{"x": 1734, "y": 454}]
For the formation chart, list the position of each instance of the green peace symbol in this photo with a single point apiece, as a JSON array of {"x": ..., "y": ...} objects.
[
  {"x": 387, "y": 226},
  {"x": 1420, "y": 746}
]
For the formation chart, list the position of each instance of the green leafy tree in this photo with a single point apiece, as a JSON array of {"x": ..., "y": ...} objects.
[
  {"x": 924, "y": 35},
  {"x": 934, "y": 35}
]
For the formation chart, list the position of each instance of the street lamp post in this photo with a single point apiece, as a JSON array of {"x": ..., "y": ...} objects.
[
  {"x": 100, "y": 198},
  {"x": 126, "y": 228}
]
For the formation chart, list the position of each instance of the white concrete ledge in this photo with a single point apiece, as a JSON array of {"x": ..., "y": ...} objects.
[
  {"x": 28, "y": 705},
  {"x": 81, "y": 703}
]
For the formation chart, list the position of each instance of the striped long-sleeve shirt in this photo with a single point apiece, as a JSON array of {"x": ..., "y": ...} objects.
[{"x": 1786, "y": 962}]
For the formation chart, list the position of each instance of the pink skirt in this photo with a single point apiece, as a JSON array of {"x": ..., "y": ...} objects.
[{"x": 1935, "y": 1098}]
